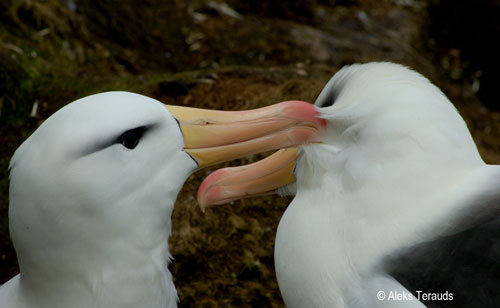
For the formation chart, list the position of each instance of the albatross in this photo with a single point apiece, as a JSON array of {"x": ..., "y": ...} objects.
[
  {"x": 397, "y": 169},
  {"x": 93, "y": 188}
]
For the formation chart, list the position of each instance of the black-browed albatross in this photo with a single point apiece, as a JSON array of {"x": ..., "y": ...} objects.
[
  {"x": 397, "y": 169},
  {"x": 93, "y": 188}
]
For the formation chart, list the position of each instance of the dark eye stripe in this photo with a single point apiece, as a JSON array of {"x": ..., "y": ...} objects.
[
  {"x": 130, "y": 139},
  {"x": 329, "y": 102}
]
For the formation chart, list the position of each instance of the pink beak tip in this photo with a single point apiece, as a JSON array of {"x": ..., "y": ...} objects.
[
  {"x": 208, "y": 191},
  {"x": 304, "y": 110}
]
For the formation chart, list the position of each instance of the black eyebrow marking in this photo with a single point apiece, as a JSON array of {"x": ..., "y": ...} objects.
[
  {"x": 331, "y": 97},
  {"x": 103, "y": 144},
  {"x": 138, "y": 131},
  {"x": 328, "y": 102},
  {"x": 329, "y": 94}
]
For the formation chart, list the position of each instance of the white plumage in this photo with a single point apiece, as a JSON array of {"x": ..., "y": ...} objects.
[{"x": 397, "y": 168}]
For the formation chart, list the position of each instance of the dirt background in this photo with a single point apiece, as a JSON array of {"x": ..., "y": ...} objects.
[{"x": 232, "y": 55}]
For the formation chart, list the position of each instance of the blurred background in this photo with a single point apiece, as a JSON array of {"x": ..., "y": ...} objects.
[{"x": 230, "y": 54}]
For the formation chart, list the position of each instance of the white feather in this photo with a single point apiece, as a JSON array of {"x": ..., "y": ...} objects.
[{"x": 398, "y": 167}]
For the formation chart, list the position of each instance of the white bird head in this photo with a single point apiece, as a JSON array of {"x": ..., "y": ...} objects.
[
  {"x": 99, "y": 170},
  {"x": 92, "y": 190}
]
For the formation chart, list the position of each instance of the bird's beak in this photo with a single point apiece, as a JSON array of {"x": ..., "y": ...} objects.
[
  {"x": 211, "y": 137},
  {"x": 257, "y": 179}
]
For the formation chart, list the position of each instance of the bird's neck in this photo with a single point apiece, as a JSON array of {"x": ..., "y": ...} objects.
[
  {"x": 387, "y": 213},
  {"x": 123, "y": 267},
  {"x": 349, "y": 221},
  {"x": 143, "y": 280},
  {"x": 376, "y": 203}
]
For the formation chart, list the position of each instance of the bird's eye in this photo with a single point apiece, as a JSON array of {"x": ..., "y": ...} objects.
[
  {"x": 130, "y": 139},
  {"x": 328, "y": 102}
]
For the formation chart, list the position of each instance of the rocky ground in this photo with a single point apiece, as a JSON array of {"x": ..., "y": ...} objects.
[{"x": 230, "y": 55}]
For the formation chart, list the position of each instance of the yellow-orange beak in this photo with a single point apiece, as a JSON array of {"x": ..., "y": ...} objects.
[
  {"x": 257, "y": 179},
  {"x": 212, "y": 137}
]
